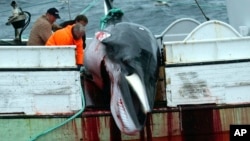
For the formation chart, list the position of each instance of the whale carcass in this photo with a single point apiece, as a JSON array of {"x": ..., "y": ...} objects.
[{"x": 123, "y": 62}]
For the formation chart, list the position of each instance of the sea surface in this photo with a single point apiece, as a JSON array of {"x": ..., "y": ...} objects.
[{"x": 154, "y": 15}]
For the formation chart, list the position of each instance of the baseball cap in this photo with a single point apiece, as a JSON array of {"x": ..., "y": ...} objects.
[{"x": 54, "y": 12}]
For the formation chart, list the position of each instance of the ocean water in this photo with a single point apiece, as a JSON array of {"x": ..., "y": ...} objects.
[{"x": 150, "y": 13}]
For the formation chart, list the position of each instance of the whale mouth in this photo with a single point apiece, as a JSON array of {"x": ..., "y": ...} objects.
[
  {"x": 128, "y": 109},
  {"x": 128, "y": 105}
]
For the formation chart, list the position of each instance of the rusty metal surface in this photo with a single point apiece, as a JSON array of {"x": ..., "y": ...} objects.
[{"x": 186, "y": 123}]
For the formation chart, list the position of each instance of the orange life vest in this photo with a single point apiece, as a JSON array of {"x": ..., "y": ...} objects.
[{"x": 64, "y": 37}]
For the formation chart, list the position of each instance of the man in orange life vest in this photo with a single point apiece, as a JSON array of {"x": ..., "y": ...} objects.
[
  {"x": 82, "y": 19},
  {"x": 70, "y": 35}
]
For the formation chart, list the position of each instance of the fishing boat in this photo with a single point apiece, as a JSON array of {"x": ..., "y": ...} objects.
[{"x": 202, "y": 87}]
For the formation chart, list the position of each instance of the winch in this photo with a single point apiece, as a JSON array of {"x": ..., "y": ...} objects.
[{"x": 19, "y": 20}]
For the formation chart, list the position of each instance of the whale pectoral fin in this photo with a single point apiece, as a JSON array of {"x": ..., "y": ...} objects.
[{"x": 138, "y": 86}]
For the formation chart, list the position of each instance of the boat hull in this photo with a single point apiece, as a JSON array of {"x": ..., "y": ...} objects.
[{"x": 204, "y": 122}]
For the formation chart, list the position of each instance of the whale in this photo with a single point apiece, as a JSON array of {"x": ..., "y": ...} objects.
[{"x": 122, "y": 63}]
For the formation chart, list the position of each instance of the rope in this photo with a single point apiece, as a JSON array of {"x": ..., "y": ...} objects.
[
  {"x": 113, "y": 15},
  {"x": 202, "y": 11},
  {"x": 93, "y": 3}
]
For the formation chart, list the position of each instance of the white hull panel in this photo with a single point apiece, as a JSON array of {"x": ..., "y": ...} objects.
[
  {"x": 39, "y": 80},
  {"x": 212, "y": 50},
  {"x": 227, "y": 83},
  {"x": 211, "y": 65},
  {"x": 40, "y": 92},
  {"x": 37, "y": 57}
]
